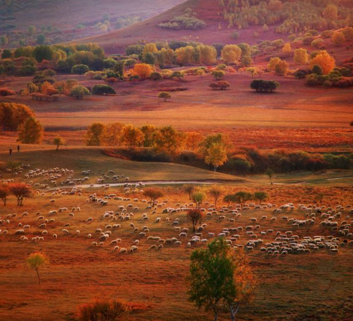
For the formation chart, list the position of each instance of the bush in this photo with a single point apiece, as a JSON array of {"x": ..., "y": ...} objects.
[
  {"x": 102, "y": 90},
  {"x": 264, "y": 85},
  {"x": 6, "y": 92},
  {"x": 235, "y": 35},
  {"x": 102, "y": 310},
  {"x": 79, "y": 69},
  {"x": 155, "y": 76}
]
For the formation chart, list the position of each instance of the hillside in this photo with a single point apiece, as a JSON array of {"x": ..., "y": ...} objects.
[
  {"x": 69, "y": 19},
  {"x": 221, "y": 22}
]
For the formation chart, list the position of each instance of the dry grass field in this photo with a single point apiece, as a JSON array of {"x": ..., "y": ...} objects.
[{"x": 290, "y": 287}]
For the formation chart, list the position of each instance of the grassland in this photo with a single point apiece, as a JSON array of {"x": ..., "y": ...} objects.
[{"x": 290, "y": 288}]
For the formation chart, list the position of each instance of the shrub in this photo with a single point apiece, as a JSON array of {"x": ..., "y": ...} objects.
[
  {"x": 102, "y": 310},
  {"x": 102, "y": 90},
  {"x": 264, "y": 85},
  {"x": 79, "y": 92},
  {"x": 317, "y": 43},
  {"x": 6, "y": 92},
  {"x": 164, "y": 95},
  {"x": 79, "y": 69},
  {"x": 156, "y": 76}
]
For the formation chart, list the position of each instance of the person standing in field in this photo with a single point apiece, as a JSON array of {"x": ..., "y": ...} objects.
[
  {"x": 10, "y": 151},
  {"x": 18, "y": 148}
]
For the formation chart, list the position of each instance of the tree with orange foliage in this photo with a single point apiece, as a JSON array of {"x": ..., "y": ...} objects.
[
  {"x": 324, "y": 60},
  {"x": 193, "y": 140},
  {"x": 30, "y": 132},
  {"x": 132, "y": 136},
  {"x": 195, "y": 216},
  {"x": 21, "y": 191},
  {"x": 4, "y": 193},
  {"x": 36, "y": 261},
  {"x": 143, "y": 70},
  {"x": 153, "y": 194},
  {"x": 48, "y": 89},
  {"x": 338, "y": 38}
]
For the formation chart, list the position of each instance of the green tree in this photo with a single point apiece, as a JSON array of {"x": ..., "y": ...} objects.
[
  {"x": 216, "y": 193},
  {"x": 32, "y": 30},
  {"x": 212, "y": 277},
  {"x": 37, "y": 260},
  {"x": 260, "y": 196},
  {"x": 198, "y": 198},
  {"x": 242, "y": 197},
  {"x": 30, "y": 132},
  {"x": 164, "y": 95},
  {"x": 79, "y": 92},
  {"x": 41, "y": 39},
  {"x": 269, "y": 173},
  {"x": 41, "y": 53}
]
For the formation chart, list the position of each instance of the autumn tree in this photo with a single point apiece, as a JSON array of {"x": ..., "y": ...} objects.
[
  {"x": 21, "y": 191},
  {"x": 4, "y": 193},
  {"x": 143, "y": 70},
  {"x": 324, "y": 60},
  {"x": 132, "y": 136},
  {"x": 164, "y": 95},
  {"x": 30, "y": 132},
  {"x": 301, "y": 56},
  {"x": 48, "y": 89},
  {"x": 208, "y": 54},
  {"x": 216, "y": 193},
  {"x": 281, "y": 68},
  {"x": 195, "y": 216},
  {"x": 287, "y": 48},
  {"x": 198, "y": 198},
  {"x": 231, "y": 54},
  {"x": 111, "y": 134},
  {"x": 149, "y": 132},
  {"x": 168, "y": 140},
  {"x": 58, "y": 141},
  {"x": 216, "y": 155},
  {"x": 36, "y": 261},
  {"x": 94, "y": 133},
  {"x": 153, "y": 194},
  {"x": 193, "y": 139},
  {"x": 244, "y": 282},
  {"x": 13, "y": 115},
  {"x": 331, "y": 12},
  {"x": 338, "y": 38},
  {"x": 218, "y": 74},
  {"x": 229, "y": 198}
]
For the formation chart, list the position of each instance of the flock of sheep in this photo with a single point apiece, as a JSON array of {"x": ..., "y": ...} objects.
[{"x": 124, "y": 222}]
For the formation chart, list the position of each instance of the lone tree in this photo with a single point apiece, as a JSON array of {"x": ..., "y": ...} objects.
[
  {"x": 189, "y": 189},
  {"x": 216, "y": 155},
  {"x": 216, "y": 193},
  {"x": 198, "y": 198},
  {"x": 195, "y": 216},
  {"x": 260, "y": 196},
  {"x": 4, "y": 193},
  {"x": 164, "y": 95},
  {"x": 242, "y": 197},
  {"x": 36, "y": 261},
  {"x": 269, "y": 173},
  {"x": 220, "y": 278},
  {"x": 79, "y": 92},
  {"x": 58, "y": 141},
  {"x": 30, "y": 132},
  {"x": 229, "y": 198},
  {"x": 21, "y": 191},
  {"x": 153, "y": 194}
]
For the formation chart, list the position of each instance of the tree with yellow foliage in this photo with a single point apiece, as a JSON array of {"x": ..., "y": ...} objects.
[
  {"x": 208, "y": 54},
  {"x": 287, "y": 48},
  {"x": 193, "y": 140},
  {"x": 216, "y": 155},
  {"x": 338, "y": 38},
  {"x": 132, "y": 136},
  {"x": 111, "y": 134},
  {"x": 143, "y": 70},
  {"x": 94, "y": 133},
  {"x": 30, "y": 132},
  {"x": 301, "y": 56},
  {"x": 324, "y": 60},
  {"x": 231, "y": 54},
  {"x": 331, "y": 12}
]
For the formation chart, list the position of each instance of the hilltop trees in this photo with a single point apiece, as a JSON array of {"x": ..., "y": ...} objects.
[
  {"x": 30, "y": 132},
  {"x": 220, "y": 278}
]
